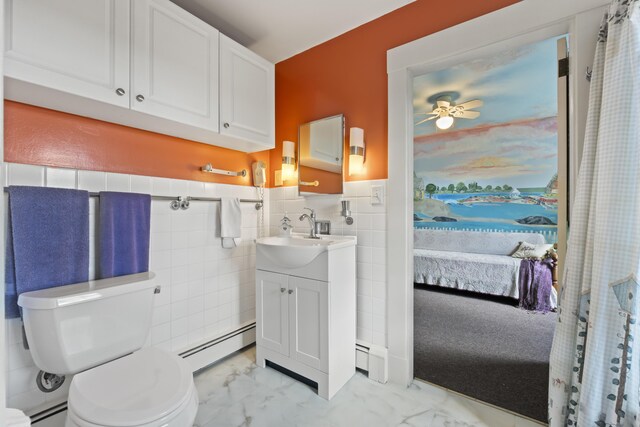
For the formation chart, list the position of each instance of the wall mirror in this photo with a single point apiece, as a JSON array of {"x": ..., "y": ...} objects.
[{"x": 320, "y": 154}]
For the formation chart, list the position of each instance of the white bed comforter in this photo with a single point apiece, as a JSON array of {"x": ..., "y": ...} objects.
[{"x": 483, "y": 273}]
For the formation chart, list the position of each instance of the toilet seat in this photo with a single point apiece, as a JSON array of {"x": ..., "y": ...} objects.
[{"x": 145, "y": 388}]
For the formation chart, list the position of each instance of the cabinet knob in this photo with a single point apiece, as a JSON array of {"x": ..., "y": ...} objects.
[
  {"x": 226, "y": 125},
  {"x": 139, "y": 98},
  {"x": 283, "y": 289},
  {"x": 290, "y": 291},
  {"x": 120, "y": 91}
]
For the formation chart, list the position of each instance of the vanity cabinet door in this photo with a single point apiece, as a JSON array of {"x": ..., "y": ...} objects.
[
  {"x": 308, "y": 314},
  {"x": 247, "y": 94},
  {"x": 71, "y": 46},
  {"x": 175, "y": 65},
  {"x": 272, "y": 311}
]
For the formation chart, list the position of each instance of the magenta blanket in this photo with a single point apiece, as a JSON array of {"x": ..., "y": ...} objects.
[{"x": 535, "y": 283}]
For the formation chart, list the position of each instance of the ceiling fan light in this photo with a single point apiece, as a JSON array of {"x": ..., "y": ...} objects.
[{"x": 444, "y": 122}]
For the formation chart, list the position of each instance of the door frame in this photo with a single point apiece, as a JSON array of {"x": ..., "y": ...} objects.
[{"x": 521, "y": 23}]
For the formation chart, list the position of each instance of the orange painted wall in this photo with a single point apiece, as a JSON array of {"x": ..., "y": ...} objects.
[
  {"x": 348, "y": 75},
  {"x": 40, "y": 136},
  {"x": 344, "y": 75}
]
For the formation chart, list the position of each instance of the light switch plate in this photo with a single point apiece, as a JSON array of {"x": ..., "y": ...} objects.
[
  {"x": 278, "y": 178},
  {"x": 377, "y": 195}
]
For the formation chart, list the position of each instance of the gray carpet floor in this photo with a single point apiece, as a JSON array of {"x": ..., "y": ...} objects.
[{"x": 483, "y": 347}]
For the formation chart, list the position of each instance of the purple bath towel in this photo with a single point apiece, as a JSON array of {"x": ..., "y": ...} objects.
[
  {"x": 535, "y": 283},
  {"x": 123, "y": 233},
  {"x": 47, "y": 241}
]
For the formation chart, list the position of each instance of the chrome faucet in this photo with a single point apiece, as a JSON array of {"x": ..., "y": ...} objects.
[{"x": 312, "y": 222}]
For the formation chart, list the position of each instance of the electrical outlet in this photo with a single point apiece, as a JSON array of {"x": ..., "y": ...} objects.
[
  {"x": 278, "y": 179},
  {"x": 377, "y": 195}
]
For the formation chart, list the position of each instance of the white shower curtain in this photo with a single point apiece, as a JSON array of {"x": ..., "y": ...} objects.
[{"x": 594, "y": 368}]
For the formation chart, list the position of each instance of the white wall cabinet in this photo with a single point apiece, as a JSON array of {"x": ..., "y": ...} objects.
[
  {"x": 247, "y": 93},
  {"x": 308, "y": 324},
  {"x": 175, "y": 64},
  {"x": 77, "y": 47},
  {"x": 147, "y": 64}
]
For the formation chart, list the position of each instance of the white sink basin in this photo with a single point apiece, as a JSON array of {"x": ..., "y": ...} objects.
[{"x": 297, "y": 251}]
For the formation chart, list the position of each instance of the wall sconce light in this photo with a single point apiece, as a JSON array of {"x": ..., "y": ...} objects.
[
  {"x": 288, "y": 160},
  {"x": 356, "y": 151}
]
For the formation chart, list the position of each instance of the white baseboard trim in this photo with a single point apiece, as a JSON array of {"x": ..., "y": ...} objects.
[
  {"x": 374, "y": 360},
  {"x": 211, "y": 352},
  {"x": 400, "y": 371}
]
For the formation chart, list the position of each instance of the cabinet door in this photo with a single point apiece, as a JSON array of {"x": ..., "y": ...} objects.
[
  {"x": 272, "y": 311},
  {"x": 75, "y": 46},
  {"x": 175, "y": 65},
  {"x": 308, "y": 315},
  {"x": 246, "y": 94}
]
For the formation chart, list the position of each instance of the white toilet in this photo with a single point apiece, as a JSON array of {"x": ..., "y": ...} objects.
[{"x": 96, "y": 330}]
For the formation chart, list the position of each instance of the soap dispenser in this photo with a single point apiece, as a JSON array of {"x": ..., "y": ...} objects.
[{"x": 285, "y": 226}]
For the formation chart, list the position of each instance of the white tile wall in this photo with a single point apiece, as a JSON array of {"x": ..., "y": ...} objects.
[
  {"x": 206, "y": 290},
  {"x": 369, "y": 226}
]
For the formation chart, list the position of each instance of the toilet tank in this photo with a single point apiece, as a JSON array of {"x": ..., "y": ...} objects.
[{"x": 76, "y": 327}]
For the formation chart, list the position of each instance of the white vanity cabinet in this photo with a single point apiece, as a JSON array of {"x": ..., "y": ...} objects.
[
  {"x": 147, "y": 64},
  {"x": 293, "y": 314},
  {"x": 306, "y": 316}
]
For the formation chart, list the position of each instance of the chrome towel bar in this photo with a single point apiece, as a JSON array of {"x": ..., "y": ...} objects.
[
  {"x": 210, "y": 169},
  {"x": 182, "y": 202}
]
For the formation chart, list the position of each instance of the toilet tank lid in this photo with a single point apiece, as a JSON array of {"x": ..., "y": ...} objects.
[{"x": 62, "y": 296}]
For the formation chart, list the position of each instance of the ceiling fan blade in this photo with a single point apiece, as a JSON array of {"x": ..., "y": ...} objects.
[
  {"x": 426, "y": 114},
  {"x": 466, "y": 114},
  {"x": 474, "y": 103},
  {"x": 426, "y": 120},
  {"x": 443, "y": 103}
]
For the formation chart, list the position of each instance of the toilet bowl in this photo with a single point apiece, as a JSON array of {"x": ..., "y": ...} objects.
[
  {"x": 149, "y": 388},
  {"x": 96, "y": 330}
]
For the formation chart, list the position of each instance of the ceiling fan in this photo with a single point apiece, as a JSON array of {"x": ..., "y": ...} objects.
[{"x": 446, "y": 111}]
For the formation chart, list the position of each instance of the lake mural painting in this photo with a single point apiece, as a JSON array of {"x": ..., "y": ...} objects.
[{"x": 497, "y": 172}]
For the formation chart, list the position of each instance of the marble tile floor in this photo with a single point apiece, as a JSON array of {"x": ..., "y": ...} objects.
[{"x": 236, "y": 393}]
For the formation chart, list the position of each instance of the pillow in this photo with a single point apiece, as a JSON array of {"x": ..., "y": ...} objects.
[{"x": 529, "y": 250}]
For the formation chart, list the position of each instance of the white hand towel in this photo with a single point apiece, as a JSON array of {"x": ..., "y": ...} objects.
[{"x": 230, "y": 221}]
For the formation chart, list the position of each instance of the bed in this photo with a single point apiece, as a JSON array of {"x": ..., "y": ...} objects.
[{"x": 471, "y": 260}]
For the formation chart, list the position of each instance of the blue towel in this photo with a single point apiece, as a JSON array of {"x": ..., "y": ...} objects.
[
  {"x": 47, "y": 241},
  {"x": 124, "y": 233}
]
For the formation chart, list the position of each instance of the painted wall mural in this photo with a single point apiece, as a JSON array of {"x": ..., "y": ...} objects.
[{"x": 497, "y": 172}]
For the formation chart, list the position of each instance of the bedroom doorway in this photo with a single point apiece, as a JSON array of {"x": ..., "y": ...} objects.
[{"x": 490, "y": 184}]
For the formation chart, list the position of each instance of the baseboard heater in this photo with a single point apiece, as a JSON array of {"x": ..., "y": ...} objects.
[
  {"x": 373, "y": 360},
  {"x": 199, "y": 357}
]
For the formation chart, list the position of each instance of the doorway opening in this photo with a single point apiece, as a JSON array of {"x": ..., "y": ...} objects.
[{"x": 490, "y": 180}]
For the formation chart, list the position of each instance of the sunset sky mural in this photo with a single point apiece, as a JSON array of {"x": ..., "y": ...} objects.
[{"x": 498, "y": 171}]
